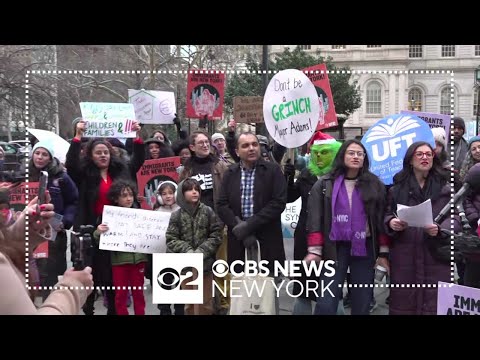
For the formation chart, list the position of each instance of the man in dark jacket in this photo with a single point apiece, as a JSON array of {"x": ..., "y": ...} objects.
[
  {"x": 252, "y": 197},
  {"x": 460, "y": 144}
]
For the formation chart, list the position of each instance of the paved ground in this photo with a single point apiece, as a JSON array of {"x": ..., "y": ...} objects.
[{"x": 286, "y": 302}]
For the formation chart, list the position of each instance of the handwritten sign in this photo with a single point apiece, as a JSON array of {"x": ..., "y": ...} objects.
[
  {"x": 388, "y": 140},
  {"x": 433, "y": 120},
  {"x": 248, "y": 109},
  {"x": 151, "y": 174},
  {"x": 457, "y": 300},
  {"x": 319, "y": 77},
  {"x": 153, "y": 107},
  {"x": 290, "y": 108},
  {"x": 134, "y": 230},
  {"x": 18, "y": 193},
  {"x": 108, "y": 119},
  {"x": 205, "y": 94}
]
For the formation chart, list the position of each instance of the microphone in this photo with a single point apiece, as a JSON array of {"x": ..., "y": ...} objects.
[{"x": 472, "y": 181}]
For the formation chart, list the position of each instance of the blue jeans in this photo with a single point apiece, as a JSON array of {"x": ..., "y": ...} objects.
[{"x": 361, "y": 272}]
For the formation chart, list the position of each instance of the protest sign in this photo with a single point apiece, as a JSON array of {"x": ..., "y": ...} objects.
[
  {"x": 248, "y": 109},
  {"x": 457, "y": 300},
  {"x": 108, "y": 119},
  {"x": 290, "y": 217},
  {"x": 433, "y": 120},
  {"x": 291, "y": 108},
  {"x": 388, "y": 140},
  {"x": 205, "y": 93},
  {"x": 319, "y": 77},
  {"x": 17, "y": 195},
  {"x": 151, "y": 174},
  {"x": 134, "y": 230},
  {"x": 153, "y": 107}
]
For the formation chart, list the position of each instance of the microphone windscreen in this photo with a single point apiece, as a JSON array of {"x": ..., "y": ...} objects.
[{"x": 473, "y": 177}]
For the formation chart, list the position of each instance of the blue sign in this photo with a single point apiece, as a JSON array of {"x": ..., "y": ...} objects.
[{"x": 388, "y": 140}]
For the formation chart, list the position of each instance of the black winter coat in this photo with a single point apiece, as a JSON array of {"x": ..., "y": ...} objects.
[{"x": 270, "y": 195}]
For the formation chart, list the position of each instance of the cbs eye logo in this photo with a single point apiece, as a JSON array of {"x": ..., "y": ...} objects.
[
  {"x": 220, "y": 268},
  {"x": 169, "y": 278},
  {"x": 178, "y": 278}
]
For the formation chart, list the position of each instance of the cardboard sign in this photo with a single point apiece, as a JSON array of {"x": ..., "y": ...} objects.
[
  {"x": 205, "y": 93},
  {"x": 248, "y": 109},
  {"x": 388, "y": 140},
  {"x": 153, "y": 107},
  {"x": 319, "y": 77},
  {"x": 108, "y": 119},
  {"x": 134, "y": 230},
  {"x": 457, "y": 300},
  {"x": 151, "y": 174},
  {"x": 291, "y": 108}
]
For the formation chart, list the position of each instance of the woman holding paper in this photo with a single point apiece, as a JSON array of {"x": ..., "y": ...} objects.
[{"x": 414, "y": 255}]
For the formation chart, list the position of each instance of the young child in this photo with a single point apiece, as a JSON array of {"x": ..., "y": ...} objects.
[
  {"x": 194, "y": 229},
  {"x": 167, "y": 202},
  {"x": 128, "y": 268}
]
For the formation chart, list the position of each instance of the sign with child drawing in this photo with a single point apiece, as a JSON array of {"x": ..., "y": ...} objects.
[
  {"x": 134, "y": 230},
  {"x": 151, "y": 174},
  {"x": 108, "y": 119},
  {"x": 153, "y": 107}
]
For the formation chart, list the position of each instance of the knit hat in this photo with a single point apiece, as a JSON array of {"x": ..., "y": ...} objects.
[
  {"x": 153, "y": 141},
  {"x": 217, "y": 136},
  {"x": 472, "y": 140},
  {"x": 47, "y": 145},
  {"x": 459, "y": 122},
  {"x": 440, "y": 136},
  {"x": 74, "y": 123}
]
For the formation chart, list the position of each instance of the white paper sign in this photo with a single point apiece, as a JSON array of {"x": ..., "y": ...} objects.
[
  {"x": 108, "y": 119},
  {"x": 290, "y": 108},
  {"x": 416, "y": 216},
  {"x": 134, "y": 230},
  {"x": 153, "y": 107}
]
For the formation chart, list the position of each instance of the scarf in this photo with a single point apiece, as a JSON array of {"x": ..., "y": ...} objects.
[{"x": 348, "y": 225}]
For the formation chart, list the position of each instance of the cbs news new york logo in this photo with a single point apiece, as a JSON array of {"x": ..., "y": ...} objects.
[{"x": 177, "y": 278}]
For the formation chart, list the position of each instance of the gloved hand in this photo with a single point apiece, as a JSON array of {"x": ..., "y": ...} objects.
[
  {"x": 289, "y": 169},
  {"x": 250, "y": 242},
  {"x": 241, "y": 230},
  {"x": 176, "y": 121},
  {"x": 202, "y": 123}
]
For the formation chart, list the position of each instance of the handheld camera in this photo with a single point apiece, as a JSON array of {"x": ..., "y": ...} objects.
[{"x": 82, "y": 247}]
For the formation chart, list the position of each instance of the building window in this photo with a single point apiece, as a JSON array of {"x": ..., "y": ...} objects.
[
  {"x": 374, "y": 98},
  {"x": 304, "y": 47},
  {"x": 373, "y": 46},
  {"x": 415, "y": 100},
  {"x": 477, "y": 50},
  {"x": 337, "y": 47},
  {"x": 445, "y": 97},
  {"x": 415, "y": 51},
  {"x": 448, "y": 50},
  {"x": 475, "y": 101}
]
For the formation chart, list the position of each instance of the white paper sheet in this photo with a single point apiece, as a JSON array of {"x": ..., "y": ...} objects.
[{"x": 416, "y": 216}]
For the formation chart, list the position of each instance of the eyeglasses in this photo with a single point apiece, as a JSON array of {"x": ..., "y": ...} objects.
[
  {"x": 359, "y": 154},
  {"x": 203, "y": 143},
  {"x": 420, "y": 155}
]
